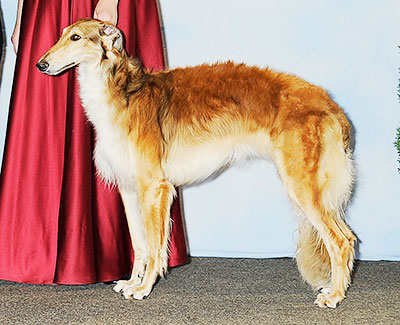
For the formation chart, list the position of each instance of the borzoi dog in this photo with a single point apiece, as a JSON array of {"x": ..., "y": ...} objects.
[{"x": 165, "y": 129}]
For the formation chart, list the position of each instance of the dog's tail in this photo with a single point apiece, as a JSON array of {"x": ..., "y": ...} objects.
[{"x": 312, "y": 257}]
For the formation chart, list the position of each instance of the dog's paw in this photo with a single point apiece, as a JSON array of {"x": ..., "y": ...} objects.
[
  {"x": 130, "y": 289},
  {"x": 121, "y": 284},
  {"x": 326, "y": 299}
]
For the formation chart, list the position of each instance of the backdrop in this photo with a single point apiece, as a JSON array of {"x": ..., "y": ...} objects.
[{"x": 348, "y": 47}]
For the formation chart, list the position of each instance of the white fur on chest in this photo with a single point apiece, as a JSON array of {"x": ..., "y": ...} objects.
[{"x": 113, "y": 154}]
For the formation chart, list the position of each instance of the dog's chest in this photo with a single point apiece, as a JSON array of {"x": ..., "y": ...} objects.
[
  {"x": 113, "y": 154},
  {"x": 114, "y": 157}
]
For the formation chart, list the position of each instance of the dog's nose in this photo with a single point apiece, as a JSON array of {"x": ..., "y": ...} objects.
[{"x": 42, "y": 66}]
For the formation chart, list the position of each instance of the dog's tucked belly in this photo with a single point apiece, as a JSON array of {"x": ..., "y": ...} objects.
[{"x": 188, "y": 163}]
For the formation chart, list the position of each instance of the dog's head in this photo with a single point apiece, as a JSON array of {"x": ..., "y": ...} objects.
[{"x": 86, "y": 41}]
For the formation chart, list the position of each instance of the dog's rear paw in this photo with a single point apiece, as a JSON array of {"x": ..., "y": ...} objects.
[
  {"x": 131, "y": 289},
  {"x": 325, "y": 299}
]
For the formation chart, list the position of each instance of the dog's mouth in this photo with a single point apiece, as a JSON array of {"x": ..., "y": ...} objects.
[{"x": 44, "y": 66}]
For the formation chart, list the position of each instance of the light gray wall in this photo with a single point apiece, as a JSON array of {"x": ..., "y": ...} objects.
[{"x": 347, "y": 47}]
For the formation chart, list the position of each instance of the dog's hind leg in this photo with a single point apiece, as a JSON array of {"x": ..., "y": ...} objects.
[
  {"x": 318, "y": 175},
  {"x": 338, "y": 243},
  {"x": 312, "y": 257},
  {"x": 155, "y": 196},
  {"x": 138, "y": 240}
]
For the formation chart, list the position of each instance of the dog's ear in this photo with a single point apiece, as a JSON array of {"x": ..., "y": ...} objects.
[{"x": 112, "y": 37}]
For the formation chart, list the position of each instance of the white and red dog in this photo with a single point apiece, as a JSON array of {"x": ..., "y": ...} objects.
[{"x": 165, "y": 129}]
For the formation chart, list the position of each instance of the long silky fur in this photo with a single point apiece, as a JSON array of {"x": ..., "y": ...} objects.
[{"x": 157, "y": 130}]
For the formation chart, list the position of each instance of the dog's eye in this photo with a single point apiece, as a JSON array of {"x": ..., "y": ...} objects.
[{"x": 75, "y": 37}]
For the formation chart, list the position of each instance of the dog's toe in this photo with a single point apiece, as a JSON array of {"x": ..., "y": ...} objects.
[
  {"x": 120, "y": 285},
  {"x": 325, "y": 299},
  {"x": 128, "y": 293},
  {"x": 131, "y": 289},
  {"x": 134, "y": 292}
]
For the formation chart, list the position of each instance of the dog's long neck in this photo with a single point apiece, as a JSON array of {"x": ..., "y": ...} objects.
[
  {"x": 103, "y": 94},
  {"x": 126, "y": 77},
  {"x": 105, "y": 87}
]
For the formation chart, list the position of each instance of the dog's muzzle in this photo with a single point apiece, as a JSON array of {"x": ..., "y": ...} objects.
[{"x": 42, "y": 66}]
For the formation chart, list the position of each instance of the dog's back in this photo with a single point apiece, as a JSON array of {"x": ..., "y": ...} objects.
[{"x": 222, "y": 112}]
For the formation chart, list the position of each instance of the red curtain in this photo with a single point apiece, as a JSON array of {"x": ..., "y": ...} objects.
[{"x": 58, "y": 222}]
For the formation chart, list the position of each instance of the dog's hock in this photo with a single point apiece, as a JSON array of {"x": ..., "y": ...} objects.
[{"x": 112, "y": 37}]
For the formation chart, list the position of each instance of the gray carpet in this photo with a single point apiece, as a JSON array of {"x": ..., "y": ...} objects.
[{"x": 212, "y": 291}]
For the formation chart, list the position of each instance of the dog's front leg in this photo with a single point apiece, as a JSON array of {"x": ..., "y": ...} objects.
[
  {"x": 155, "y": 197},
  {"x": 138, "y": 240}
]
